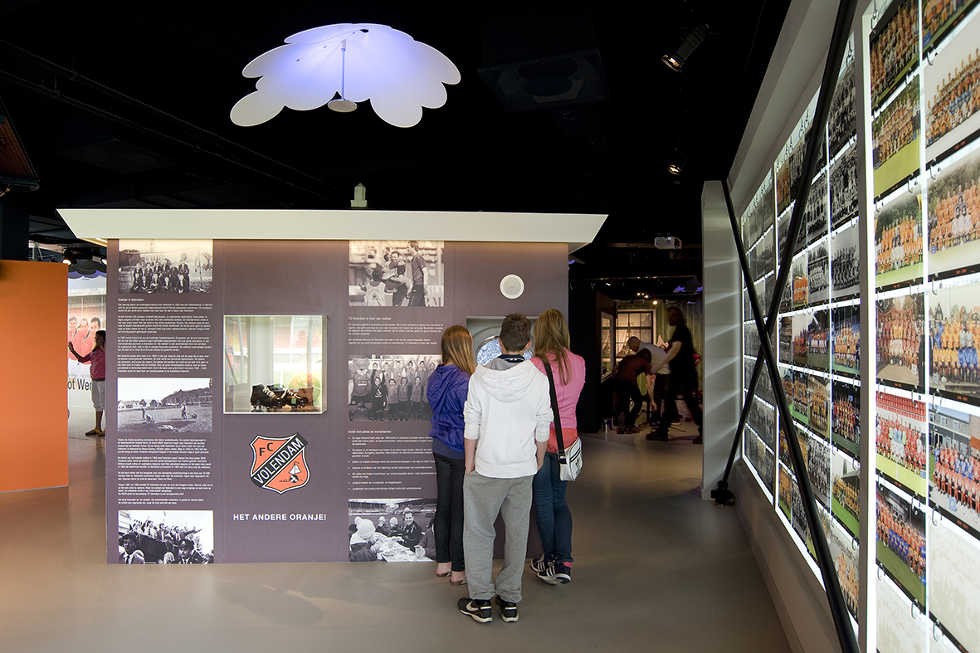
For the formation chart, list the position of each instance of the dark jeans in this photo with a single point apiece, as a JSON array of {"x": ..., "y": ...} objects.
[
  {"x": 688, "y": 389},
  {"x": 449, "y": 510},
  {"x": 552, "y": 513},
  {"x": 626, "y": 391}
]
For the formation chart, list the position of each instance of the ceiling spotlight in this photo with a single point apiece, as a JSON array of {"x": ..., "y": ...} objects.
[
  {"x": 672, "y": 62},
  {"x": 655, "y": 302},
  {"x": 66, "y": 260},
  {"x": 676, "y": 60},
  {"x": 674, "y": 168}
]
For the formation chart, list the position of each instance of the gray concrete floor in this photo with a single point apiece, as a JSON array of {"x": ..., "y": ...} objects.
[{"x": 657, "y": 569}]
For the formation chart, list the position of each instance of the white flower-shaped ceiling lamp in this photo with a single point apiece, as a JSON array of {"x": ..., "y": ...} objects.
[{"x": 340, "y": 65}]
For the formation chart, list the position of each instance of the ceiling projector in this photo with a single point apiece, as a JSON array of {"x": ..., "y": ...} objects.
[{"x": 667, "y": 242}]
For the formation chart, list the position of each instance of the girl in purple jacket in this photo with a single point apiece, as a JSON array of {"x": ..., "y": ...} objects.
[{"x": 446, "y": 392}]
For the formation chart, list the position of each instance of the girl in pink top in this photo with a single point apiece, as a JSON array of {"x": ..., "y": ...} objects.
[{"x": 554, "y": 519}]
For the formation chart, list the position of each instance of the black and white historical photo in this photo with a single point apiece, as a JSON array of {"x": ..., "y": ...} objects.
[
  {"x": 392, "y": 530},
  {"x": 273, "y": 363},
  {"x": 163, "y": 405},
  {"x": 390, "y": 387},
  {"x": 818, "y": 272},
  {"x": 842, "y": 123},
  {"x": 844, "y": 188},
  {"x": 175, "y": 537},
  {"x": 815, "y": 214},
  {"x": 396, "y": 273},
  {"x": 816, "y": 453},
  {"x": 759, "y": 214},
  {"x": 786, "y": 339},
  {"x": 174, "y": 267},
  {"x": 762, "y": 258},
  {"x": 845, "y": 265},
  {"x": 762, "y": 419},
  {"x": 763, "y": 461}
]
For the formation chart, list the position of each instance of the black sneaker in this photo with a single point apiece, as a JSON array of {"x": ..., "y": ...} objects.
[
  {"x": 508, "y": 610},
  {"x": 546, "y": 573},
  {"x": 538, "y": 565},
  {"x": 479, "y": 609},
  {"x": 563, "y": 573}
]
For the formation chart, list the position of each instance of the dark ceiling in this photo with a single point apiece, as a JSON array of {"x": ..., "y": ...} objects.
[{"x": 123, "y": 105}]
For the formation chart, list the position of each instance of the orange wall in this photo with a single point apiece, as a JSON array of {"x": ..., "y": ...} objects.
[{"x": 34, "y": 437}]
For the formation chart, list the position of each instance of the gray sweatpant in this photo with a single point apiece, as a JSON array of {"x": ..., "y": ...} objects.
[{"x": 483, "y": 499}]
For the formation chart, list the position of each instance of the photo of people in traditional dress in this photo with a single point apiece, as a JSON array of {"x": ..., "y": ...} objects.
[
  {"x": 164, "y": 405},
  {"x": 174, "y": 537},
  {"x": 901, "y": 346},
  {"x": 390, "y": 387},
  {"x": 954, "y": 217},
  {"x": 954, "y": 334},
  {"x": 900, "y": 441},
  {"x": 396, "y": 273},
  {"x": 392, "y": 530},
  {"x": 901, "y": 535},
  {"x": 954, "y": 466},
  {"x": 952, "y": 90},
  {"x": 173, "y": 267}
]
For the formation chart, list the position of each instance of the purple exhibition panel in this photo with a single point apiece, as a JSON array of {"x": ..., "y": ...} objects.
[{"x": 270, "y": 395}]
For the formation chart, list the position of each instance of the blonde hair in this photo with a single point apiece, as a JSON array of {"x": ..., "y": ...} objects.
[
  {"x": 551, "y": 337},
  {"x": 457, "y": 348}
]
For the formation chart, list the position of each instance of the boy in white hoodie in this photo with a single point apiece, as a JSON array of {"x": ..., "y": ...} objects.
[{"x": 507, "y": 416}]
